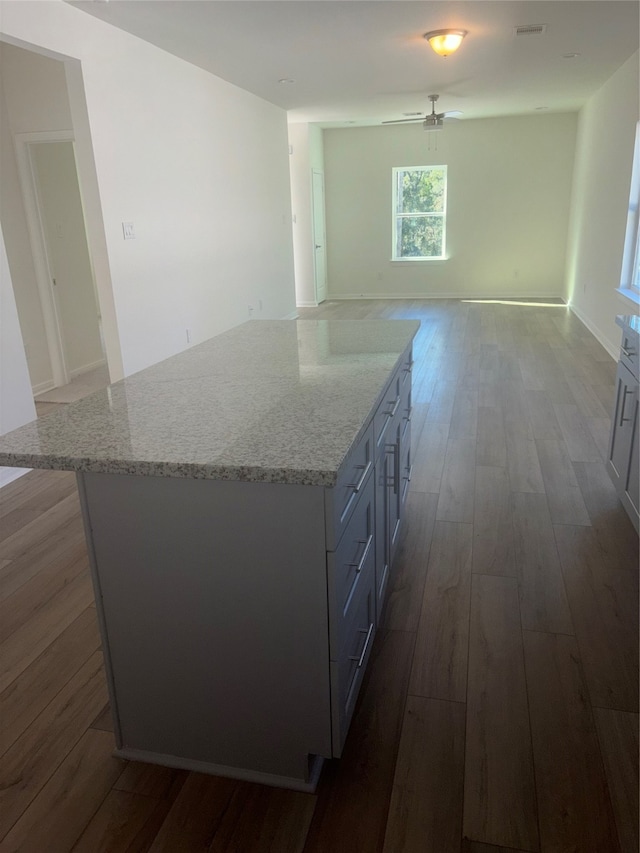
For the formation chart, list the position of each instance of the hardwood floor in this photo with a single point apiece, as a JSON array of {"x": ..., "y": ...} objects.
[{"x": 499, "y": 713}]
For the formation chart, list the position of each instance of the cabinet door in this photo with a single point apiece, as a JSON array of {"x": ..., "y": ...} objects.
[
  {"x": 348, "y": 565},
  {"x": 347, "y": 672},
  {"x": 633, "y": 487},
  {"x": 393, "y": 473},
  {"x": 623, "y": 424},
  {"x": 623, "y": 447},
  {"x": 405, "y": 463},
  {"x": 383, "y": 551},
  {"x": 394, "y": 487}
]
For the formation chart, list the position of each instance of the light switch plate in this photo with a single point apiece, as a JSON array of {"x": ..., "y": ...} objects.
[{"x": 128, "y": 231}]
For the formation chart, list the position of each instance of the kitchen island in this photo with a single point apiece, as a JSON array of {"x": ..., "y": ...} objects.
[{"x": 242, "y": 503}]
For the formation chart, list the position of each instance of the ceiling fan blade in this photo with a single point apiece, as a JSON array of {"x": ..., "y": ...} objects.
[
  {"x": 452, "y": 113},
  {"x": 404, "y": 120}
]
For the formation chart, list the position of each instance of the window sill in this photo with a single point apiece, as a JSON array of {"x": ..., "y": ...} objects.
[
  {"x": 631, "y": 295},
  {"x": 418, "y": 260}
]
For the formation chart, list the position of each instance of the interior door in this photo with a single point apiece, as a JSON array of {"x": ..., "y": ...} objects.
[
  {"x": 320, "y": 253},
  {"x": 62, "y": 218}
]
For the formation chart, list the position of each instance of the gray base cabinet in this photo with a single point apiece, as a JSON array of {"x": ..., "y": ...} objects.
[
  {"x": 238, "y": 617},
  {"x": 392, "y": 439},
  {"x": 623, "y": 459}
]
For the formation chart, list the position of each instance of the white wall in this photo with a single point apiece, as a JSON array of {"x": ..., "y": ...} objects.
[
  {"x": 16, "y": 402},
  {"x": 604, "y": 157},
  {"x": 509, "y": 183},
  {"x": 307, "y": 154},
  {"x": 199, "y": 166}
]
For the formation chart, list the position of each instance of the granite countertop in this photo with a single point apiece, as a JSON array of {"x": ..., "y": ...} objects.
[
  {"x": 270, "y": 400},
  {"x": 631, "y": 322}
]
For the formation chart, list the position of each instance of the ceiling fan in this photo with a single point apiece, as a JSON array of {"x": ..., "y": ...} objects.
[{"x": 432, "y": 120}]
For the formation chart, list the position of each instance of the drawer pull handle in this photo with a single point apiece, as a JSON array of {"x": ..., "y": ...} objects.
[
  {"x": 622, "y": 408},
  {"x": 628, "y": 352},
  {"x": 407, "y": 417},
  {"x": 394, "y": 409},
  {"x": 393, "y": 448},
  {"x": 409, "y": 469},
  {"x": 365, "y": 553},
  {"x": 363, "y": 653},
  {"x": 357, "y": 486}
]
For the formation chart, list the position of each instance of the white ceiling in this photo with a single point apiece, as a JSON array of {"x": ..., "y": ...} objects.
[{"x": 365, "y": 61}]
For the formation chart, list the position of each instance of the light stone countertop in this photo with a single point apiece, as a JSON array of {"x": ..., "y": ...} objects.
[
  {"x": 270, "y": 400},
  {"x": 629, "y": 322}
]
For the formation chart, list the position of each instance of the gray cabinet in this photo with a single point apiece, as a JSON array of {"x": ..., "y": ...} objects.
[
  {"x": 359, "y": 568},
  {"x": 623, "y": 460},
  {"x": 352, "y": 612},
  {"x": 392, "y": 440},
  {"x": 238, "y": 617}
]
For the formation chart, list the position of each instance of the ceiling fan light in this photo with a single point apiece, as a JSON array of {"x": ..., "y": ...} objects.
[{"x": 445, "y": 42}]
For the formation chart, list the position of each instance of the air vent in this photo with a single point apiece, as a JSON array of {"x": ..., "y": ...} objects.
[{"x": 530, "y": 30}]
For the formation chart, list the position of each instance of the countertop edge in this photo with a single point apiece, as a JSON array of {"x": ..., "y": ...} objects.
[
  {"x": 145, "y": 468},
  {"x": 630, "y": 322}
]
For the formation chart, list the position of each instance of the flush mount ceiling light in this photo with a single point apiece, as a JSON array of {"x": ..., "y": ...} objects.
[{"x": 445, "y": 42}]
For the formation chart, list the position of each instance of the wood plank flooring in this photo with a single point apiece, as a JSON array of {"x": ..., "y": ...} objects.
[{"x": 500, "y": 710}]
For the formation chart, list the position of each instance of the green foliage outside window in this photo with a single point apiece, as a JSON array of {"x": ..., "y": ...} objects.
[{"x": 419, "y": 216}]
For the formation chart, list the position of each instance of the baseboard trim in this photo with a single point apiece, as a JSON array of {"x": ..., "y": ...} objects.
[
  {"x": 42, "y": 387},
  {"x": 293, "y": 315},
  {"x": 307, "y": 304},
  {"x": 612, "y": 348},
  {"x": 271, "y": 779},
  {"x": 332, "y": 297},
  {"x": 86, "y": 368}
]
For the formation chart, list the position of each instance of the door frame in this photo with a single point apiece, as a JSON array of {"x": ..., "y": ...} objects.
[
  {"x": 323, "y": 224},
  {"x": 37, "y": 240}
]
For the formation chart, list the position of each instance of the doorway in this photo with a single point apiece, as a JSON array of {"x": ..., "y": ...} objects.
[
  {"x": 319, "y": 236},
  {"x": 66, "y": 285}
]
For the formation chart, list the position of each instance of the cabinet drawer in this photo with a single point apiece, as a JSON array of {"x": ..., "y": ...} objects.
[
  {"x": 347, "y": 672},
  {"x": 407, "y": 364},
  {"x": 350, "y": 566},
  {"x": 397, "y": 395},
  {"x": 405, "y": 404},
  {"x": 387, "y": 410},
  {"x": 352, "y": 478}
]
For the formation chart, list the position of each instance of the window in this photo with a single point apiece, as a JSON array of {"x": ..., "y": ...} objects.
[
  {"x": 630, "y": 279},
  {"x": 419, "y": 212}
]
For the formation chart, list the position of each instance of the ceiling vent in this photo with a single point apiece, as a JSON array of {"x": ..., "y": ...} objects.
[{"x": 530, "y": 30}]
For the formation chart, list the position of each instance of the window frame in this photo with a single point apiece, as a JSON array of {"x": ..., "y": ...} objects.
[
  {"x": 630, "y": 272},
  {"x": 395, "y": 216}
]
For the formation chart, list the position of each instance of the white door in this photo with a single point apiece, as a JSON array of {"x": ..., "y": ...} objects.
[
  {"x": 320, "y": 252},
  {"x": 62, "y": 218}
]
